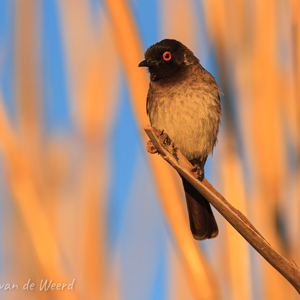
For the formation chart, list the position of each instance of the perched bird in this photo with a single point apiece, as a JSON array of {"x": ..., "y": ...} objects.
[{"x": 183, "y": 101}]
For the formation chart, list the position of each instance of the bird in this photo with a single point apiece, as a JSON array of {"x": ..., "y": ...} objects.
[{"x": 183, "y": 101}]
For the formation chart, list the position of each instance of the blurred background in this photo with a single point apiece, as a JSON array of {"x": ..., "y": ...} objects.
[{"x": 82, "y": 199}]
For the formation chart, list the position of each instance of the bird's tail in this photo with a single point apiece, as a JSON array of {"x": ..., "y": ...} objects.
[{"x": 202, "y": 221}]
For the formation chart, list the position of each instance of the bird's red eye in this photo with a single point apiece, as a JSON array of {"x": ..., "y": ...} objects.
[{"x": 167, "y": 56}]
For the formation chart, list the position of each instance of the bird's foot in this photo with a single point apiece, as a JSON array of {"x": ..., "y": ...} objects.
[
  {"x": 164, "y": 138},
  {"x": 199, "y": 171},
  {"x": 167, "y": 141},
  {"x": 174, "y": 152}
]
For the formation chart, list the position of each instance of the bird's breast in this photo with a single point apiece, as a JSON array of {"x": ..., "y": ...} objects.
[{"x": 188, "y": 114}]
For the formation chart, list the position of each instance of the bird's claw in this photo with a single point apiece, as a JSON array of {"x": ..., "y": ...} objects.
[
  {"x": 174, "y": 152},
  {"x": 199, "y": 171},
  {"x": 167, "y": 141}
]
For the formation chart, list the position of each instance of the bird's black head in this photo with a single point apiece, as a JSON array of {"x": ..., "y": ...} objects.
[{"x": 168, "y": 59}]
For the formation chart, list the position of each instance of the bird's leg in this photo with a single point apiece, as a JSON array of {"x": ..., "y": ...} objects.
[{"x": 199, "y": 170}]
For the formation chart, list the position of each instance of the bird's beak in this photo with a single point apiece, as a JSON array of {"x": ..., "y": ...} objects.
[{"x": 147, "y": 63}]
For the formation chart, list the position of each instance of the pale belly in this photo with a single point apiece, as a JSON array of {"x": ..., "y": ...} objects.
[{"x": 189, "y": 120}]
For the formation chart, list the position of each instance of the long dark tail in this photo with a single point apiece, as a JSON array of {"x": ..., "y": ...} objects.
[{"x": 202, "y": 221}]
